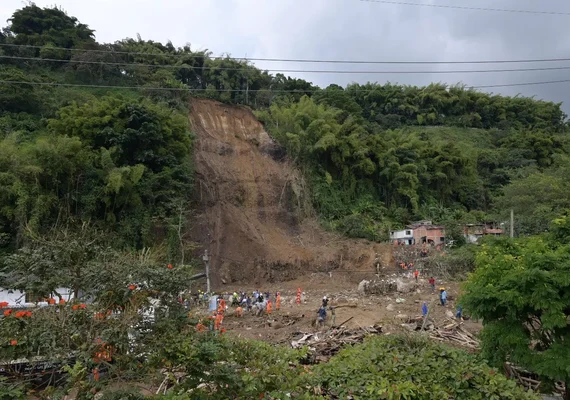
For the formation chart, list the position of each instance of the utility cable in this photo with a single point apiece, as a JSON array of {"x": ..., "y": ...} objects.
[
  {"x": 8, "y": 82},
  {"x": 468, "y": 8},
  {"x": 215, "y": 68},
  {"x": 294, "y": 60}
]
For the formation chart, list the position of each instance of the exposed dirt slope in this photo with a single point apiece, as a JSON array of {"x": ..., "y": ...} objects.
[{"x": 251, "y": 206}]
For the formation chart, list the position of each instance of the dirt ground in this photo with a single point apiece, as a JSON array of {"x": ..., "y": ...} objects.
[
  {"x": 253, "y": 210},
  {"x": 366, "y": 310}
]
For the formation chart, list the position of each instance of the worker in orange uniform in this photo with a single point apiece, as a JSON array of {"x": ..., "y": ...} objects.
[
  {"x": 222, "y": 305},
  {"x": 298, "y": 299},
  {"x": 278, "y": 301},
  {"x": 416, "y": 274},
  {"x": 268, "y": 309},
  {"x": 239, "y": 312},
  {"x": 218, "y": 321}
]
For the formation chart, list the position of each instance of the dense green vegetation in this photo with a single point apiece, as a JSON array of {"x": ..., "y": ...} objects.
[
  {"x": 371, "y": 173},
  {"x": 521, "y": 290},
  {"x": 377, "y": 156}
]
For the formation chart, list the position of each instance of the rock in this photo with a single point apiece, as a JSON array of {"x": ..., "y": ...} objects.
[
  {"x": 224, "y": 281},
  {"x": 402, "y": 287},
  {"x": 277, "y": 325},
  {"x": 403, "y": 317},
  {"x": 417, "y": 301},
  {"x": 411, "y": 327},
  {"x": 449, "y": 314},
  {"x": 400, "y": 300},
  {"x": 390, "y": 307},
  {"x": 363, "y": 285}
]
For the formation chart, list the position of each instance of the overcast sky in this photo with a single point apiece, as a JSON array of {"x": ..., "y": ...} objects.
[{"x": 349, "y": 29}]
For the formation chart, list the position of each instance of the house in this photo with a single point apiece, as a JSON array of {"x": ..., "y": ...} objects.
[
  {"x": 425, "y": 232},
  {"x": 473, "y": 232},
  {"x": 421, "y": 232},
  {"x": 16, "y": 298},
  {"x": 404, "y": 236}
]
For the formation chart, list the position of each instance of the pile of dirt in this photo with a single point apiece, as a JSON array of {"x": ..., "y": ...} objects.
[{"x": 252, "y": 208}]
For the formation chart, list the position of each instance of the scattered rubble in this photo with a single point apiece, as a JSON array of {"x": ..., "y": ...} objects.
[
  {"x": 324, "y": 345},
  {"x": 454, "y": 333}
]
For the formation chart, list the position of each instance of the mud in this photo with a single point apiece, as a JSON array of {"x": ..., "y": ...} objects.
[{"x": 254, "y": 213}]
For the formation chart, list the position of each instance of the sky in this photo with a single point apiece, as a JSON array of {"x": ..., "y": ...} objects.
[{"x": 351, "y": 30}]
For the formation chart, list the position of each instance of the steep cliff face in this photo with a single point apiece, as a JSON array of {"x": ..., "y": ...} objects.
[{"x": 252, "y": 206}]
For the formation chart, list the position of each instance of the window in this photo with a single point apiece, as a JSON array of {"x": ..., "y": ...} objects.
[
  {"x": 408, "y": 232},
  {"x": 442, "y": 239}
]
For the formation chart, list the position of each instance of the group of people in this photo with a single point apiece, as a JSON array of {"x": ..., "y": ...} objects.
[{"x": 257, "y": 302}]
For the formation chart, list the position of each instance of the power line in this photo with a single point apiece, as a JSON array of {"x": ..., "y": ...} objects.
[
  {"x": 8, "y": 82},
  {"x": 101, "y": 63},
  {"x": 470, "y": 8},
  {"x": 295, "y": 60}
]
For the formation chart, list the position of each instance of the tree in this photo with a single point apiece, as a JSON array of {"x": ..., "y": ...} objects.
[
  {"x": 521, "y": 291},
  {"x": 38, "y": 26}
]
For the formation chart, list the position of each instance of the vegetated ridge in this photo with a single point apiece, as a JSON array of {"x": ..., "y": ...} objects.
[{"x": 253, "y": 208}]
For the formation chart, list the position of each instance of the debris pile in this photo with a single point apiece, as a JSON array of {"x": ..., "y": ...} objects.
[
  {"x": 455, "y": 334},
  {"x": 386, "y": 286},
  {"x": 324, "y": 345},
  {"x": 528, "y": 379}
]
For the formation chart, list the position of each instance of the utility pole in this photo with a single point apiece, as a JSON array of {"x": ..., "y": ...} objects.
[
  {"x": 206, "y": 260},
  {"x": 247, "y": 81},
  {"x": 512, "y": 223}
]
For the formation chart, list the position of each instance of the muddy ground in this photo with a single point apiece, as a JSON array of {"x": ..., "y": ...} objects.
[{"x": 285, "y": 325}]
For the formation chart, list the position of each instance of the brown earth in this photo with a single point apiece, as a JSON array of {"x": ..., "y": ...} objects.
[
  {"x": 254, "y": 216},
  {"x": 365, "y": 310}
]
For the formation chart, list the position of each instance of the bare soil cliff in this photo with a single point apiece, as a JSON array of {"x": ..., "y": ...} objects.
[{"x": 252, "y": 207}]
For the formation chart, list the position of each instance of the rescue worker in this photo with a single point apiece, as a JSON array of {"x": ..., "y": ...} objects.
[
  {"x": 325, "y": 302},
  {"x": 278, "y": 301},
  {"x": 459, "y": 313},
  {"x": 442, "y": 296},
  {"x": 218, "y": 321},
  {"x": 416, "y": 274},
  {"x": 239, "y": 312},
  {"x": 322, "y": 315},
  {"x": 432, "y": 284},
  {"x": 424, "y": 309},
  {"x": 268, "y": 309}
]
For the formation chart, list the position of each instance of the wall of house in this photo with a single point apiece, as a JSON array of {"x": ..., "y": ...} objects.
[
  {"x": 434, "y": 234},
  {"x": 403, "y": 234},
  {"x": 17, "y": 298}
]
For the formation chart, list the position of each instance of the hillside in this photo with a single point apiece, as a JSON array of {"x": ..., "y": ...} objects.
[{"x": 252, "y": 204}]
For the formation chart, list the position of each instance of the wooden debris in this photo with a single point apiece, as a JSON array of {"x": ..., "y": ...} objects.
[
  {"x": 455, "y": 334},
  {"x": 324, "y": 345}
]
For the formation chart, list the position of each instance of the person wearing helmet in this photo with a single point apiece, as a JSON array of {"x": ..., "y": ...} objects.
[
  {"x": 442, "y": 296},
  {"x": 325, "y": 302}
]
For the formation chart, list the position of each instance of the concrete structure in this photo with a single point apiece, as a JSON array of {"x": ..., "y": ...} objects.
[
  {"x": 404, "y": 236},
  {"x": 16, "y": 298},
  {"x": 474, "y": 232}
]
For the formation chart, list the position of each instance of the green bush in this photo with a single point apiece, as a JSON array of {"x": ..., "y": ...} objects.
[{"x": 408, "y": 367}]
